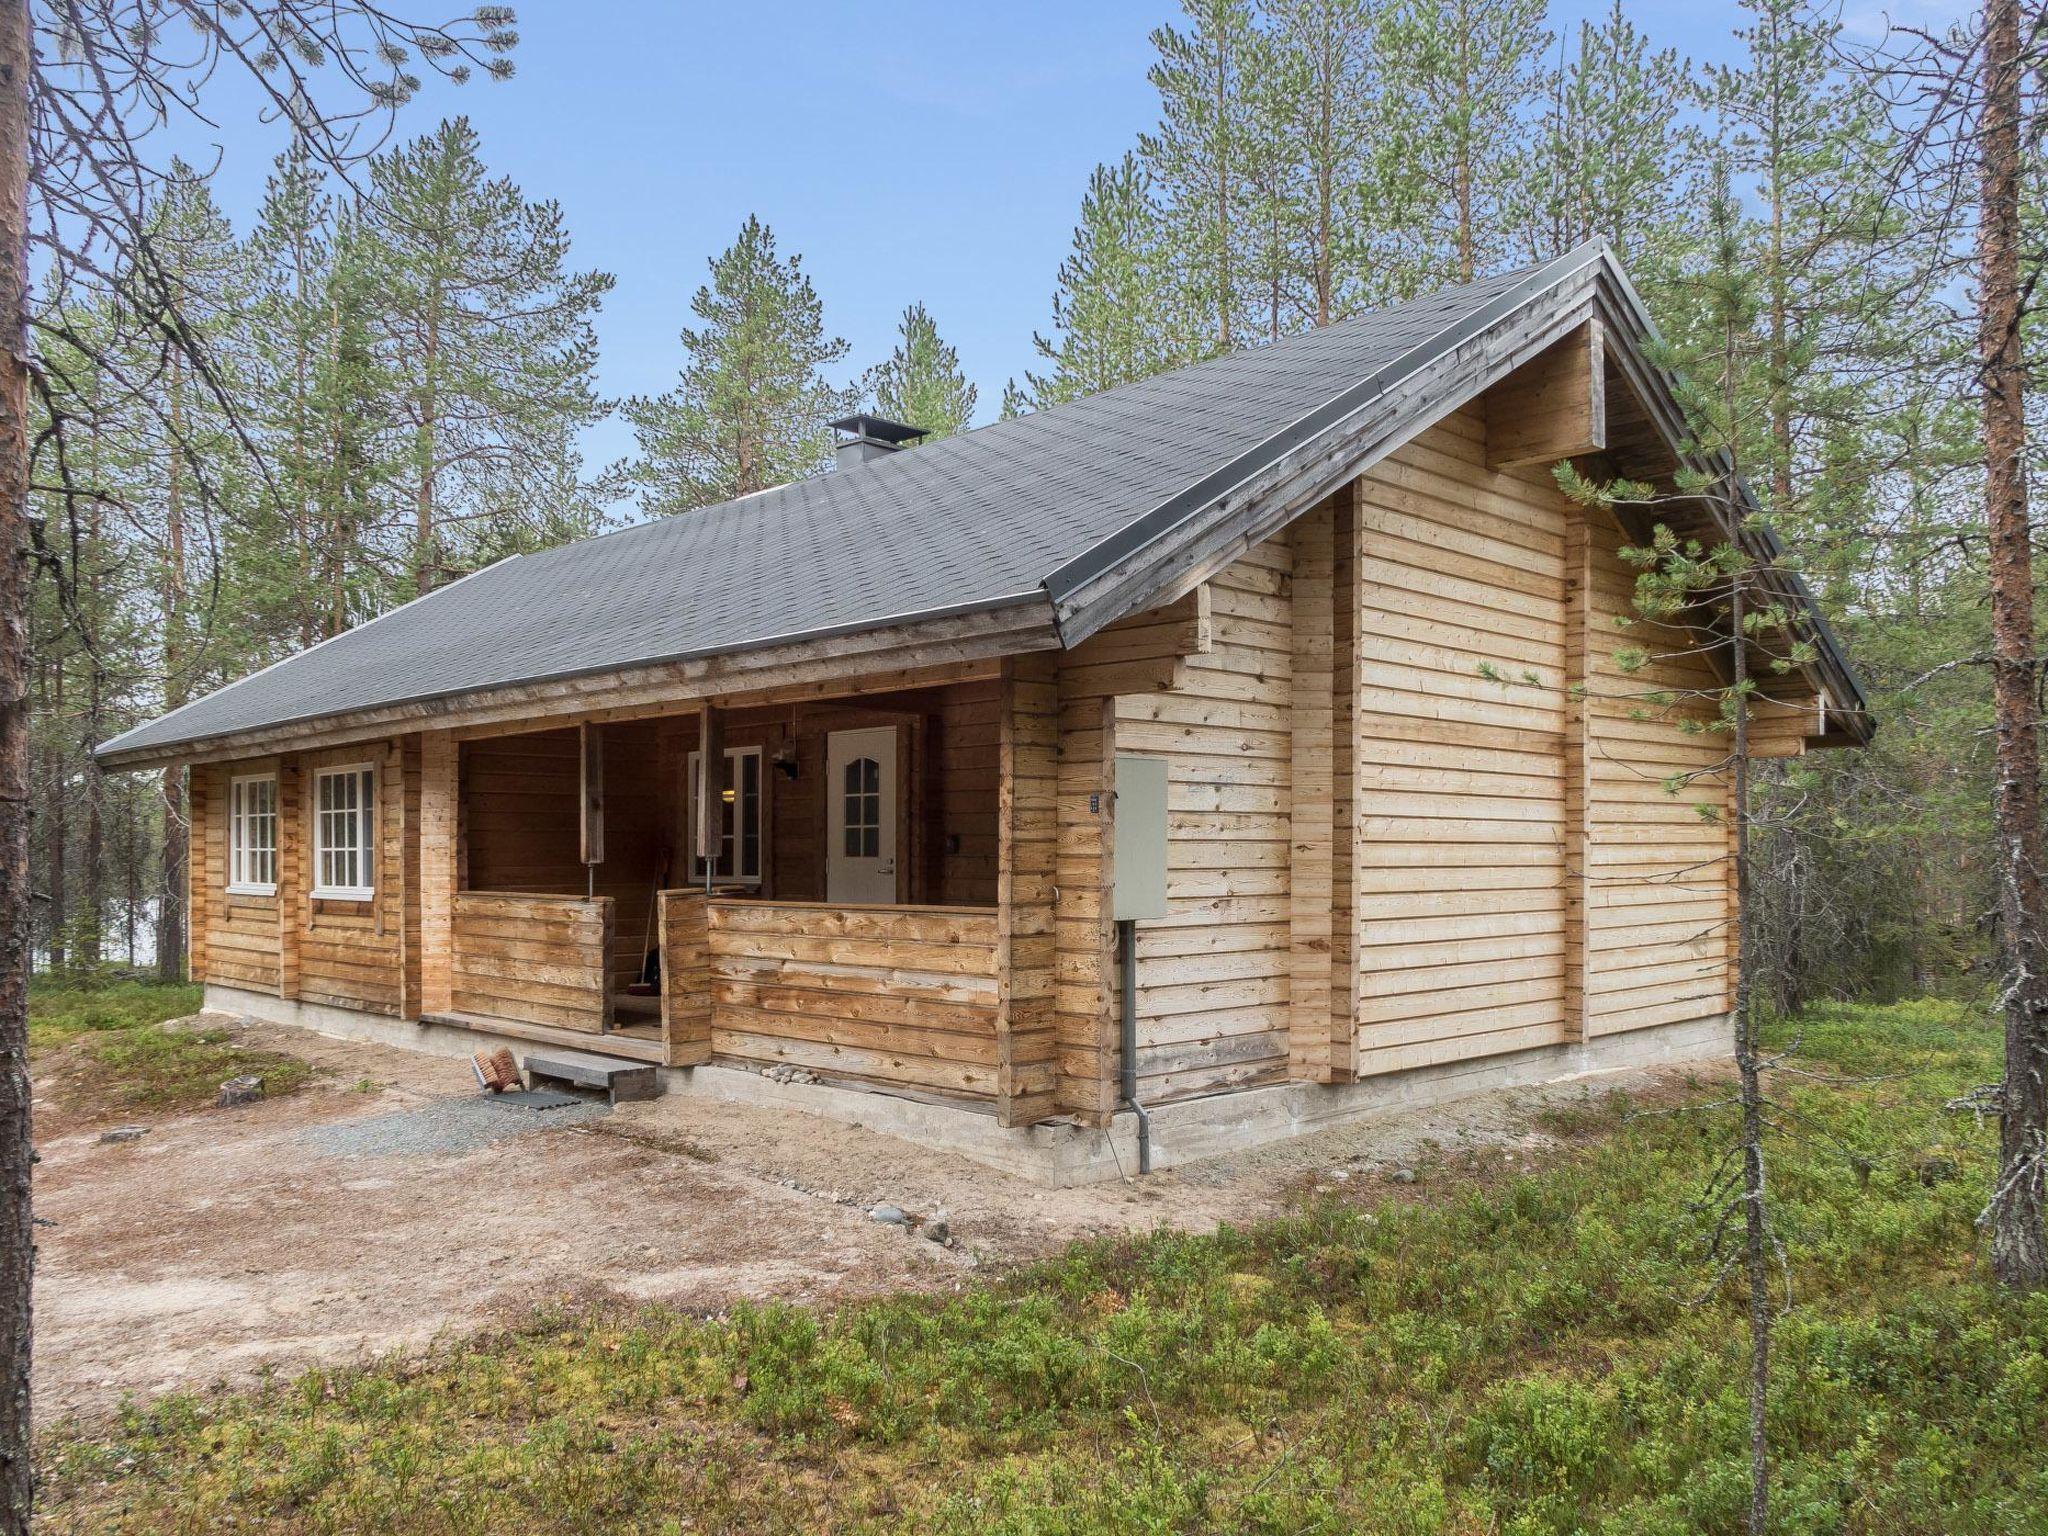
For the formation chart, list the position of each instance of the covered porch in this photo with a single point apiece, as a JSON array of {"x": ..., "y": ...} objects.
[{"x": 853, "y": 921}]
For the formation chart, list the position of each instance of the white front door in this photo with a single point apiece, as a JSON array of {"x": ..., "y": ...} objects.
[{"x": 860, "y": 815}]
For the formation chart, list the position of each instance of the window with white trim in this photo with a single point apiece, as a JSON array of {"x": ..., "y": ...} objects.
[
  {"x": 740, "y": 857},
  {"x": 252, "y": 835},
  {"x": 344, "y": 822}
]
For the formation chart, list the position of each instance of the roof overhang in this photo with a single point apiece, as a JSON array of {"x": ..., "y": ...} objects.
[{"x": 906, "y": 652}]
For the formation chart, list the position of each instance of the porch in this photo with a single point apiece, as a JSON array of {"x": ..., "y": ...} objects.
[{"x": 850, "y": 924}]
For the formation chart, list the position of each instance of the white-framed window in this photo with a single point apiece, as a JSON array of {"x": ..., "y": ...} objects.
[
  {"x": 740, "y": 860},
  {"x": 344, "y": 832},
  {"x": 252, "y": 835}
]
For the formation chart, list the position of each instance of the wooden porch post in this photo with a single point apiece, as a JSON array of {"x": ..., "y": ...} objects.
[
  {"x": 590, "y": 785},
  {"x": 709, "y": 806},
  {"x": 440, "y": 820}
]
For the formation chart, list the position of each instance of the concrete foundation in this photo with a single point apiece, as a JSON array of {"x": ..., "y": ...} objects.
[{"x": 1059, "y": 1152}]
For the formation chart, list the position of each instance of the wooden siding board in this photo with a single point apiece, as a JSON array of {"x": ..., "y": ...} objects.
[{"x": 1461, "y": 729}]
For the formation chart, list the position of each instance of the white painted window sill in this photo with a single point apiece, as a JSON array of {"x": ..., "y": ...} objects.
[
  {"x": 339, "y": 893},
  {"x": 252, "y": 890}
]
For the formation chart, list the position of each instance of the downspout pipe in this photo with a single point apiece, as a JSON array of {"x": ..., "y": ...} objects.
[{"x": 1127, "y": 958}]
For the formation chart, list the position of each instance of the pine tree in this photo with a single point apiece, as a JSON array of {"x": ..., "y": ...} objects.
[
  {"x": 488, "y": 335},
  {"x": 1323, "y": 102},
  {"x": 1200, "y": 158},
  {"x": 921, "y": 383},
  {"x": 191, "y": 474},
  {"x": 1470, "y": 72},
  {"x": 1611, "y": 150},
  {"x": 751, "y": 408},
  {"x": 328, "y": 407},
  {"x": 1116, "y": 316},
  {"x": 1810, "y": 146}
]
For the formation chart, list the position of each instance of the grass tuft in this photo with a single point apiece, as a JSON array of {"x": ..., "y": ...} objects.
[{"x": 105, "y": 1050}]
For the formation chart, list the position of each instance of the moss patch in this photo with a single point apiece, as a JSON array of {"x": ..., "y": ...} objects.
[{"x": 104, "y": 1051}]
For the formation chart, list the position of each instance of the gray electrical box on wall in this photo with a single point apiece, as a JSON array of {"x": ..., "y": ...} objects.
[{"x": 1140, "y": 854}]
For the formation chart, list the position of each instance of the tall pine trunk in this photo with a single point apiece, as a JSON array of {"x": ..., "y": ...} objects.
[
  {"x": 426, "y": 447},
  {"x": 17, "y": 1153},
  {"x": 2019, "y": 1256},
  {"x": 170, "y": 924},
  {"x": 92, "y": 858},
  {"x": 57, "y": 832}
]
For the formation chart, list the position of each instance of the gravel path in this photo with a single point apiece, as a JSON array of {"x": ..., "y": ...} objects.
[{"x": 443, "y": 1127}]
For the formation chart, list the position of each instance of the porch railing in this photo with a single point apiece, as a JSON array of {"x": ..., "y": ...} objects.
[
  {"x": 906, "y": 997},
  {"x": 533, "y": 959}
]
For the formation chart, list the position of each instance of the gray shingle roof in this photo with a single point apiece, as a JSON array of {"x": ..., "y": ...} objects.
[
  {"x": 982, "y": 520},
  {"x": 975, "y": 521}
]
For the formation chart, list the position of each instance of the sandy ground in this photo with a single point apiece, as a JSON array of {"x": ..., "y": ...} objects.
[{"x": 381, "y": 1208}]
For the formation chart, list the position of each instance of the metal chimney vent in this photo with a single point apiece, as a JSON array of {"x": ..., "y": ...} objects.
[{"x": 863, "y": 437}]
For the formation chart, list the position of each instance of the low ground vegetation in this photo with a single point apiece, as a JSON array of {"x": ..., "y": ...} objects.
[
  {"x": 1499, "y": 1347},
  {"x": 103, "y": 1052}
]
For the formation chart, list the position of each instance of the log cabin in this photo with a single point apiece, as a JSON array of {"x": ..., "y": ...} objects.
[{"x": 1207, "y": 760}]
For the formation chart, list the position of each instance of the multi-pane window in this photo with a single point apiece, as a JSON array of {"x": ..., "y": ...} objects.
[
  {"x": 344, "y": 804},
  {"x": 863, "y": 791},
  {"x": 739, "y": 857},
  {"x": 252, "y": 835}
]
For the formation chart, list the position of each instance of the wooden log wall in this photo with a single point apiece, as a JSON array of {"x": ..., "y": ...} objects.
[
  {"x": 1084, "y": 964},
  {"x": 1500, "y": 862},
  {"x": 235, "y": 937},
  {"x": 1215, "y": 978},
  {"x": 531, "y": 958},
  {"x": 1659, "y": 892},
  {"x": 901, "y": 997},
  {"x": 1461, "y": 694},
  {"x": 946, "y": 788},
  {"x": 351, "y": 952},
  {"x": 1028, "y": 1039},
  {"x": 343, "y": 953}
]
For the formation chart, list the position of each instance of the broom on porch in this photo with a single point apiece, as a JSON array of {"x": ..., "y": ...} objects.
[{"x": 649, "y": 982}]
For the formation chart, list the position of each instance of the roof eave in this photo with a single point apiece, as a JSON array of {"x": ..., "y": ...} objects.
[{"x": 1029, "y": 627}]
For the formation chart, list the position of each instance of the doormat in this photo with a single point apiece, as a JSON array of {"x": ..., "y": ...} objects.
[{"x": 537, "y": 1098}]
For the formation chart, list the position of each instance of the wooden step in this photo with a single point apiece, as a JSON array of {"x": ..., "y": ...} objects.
[{"x": 620, "y": 1081}]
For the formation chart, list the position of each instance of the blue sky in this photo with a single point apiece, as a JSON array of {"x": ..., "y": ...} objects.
[{"x": 920, "y": 151}]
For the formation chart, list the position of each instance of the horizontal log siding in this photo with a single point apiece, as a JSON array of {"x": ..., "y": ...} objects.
[
  {"x": 685, "y": 982},
  {"x": 238, "y": 934},
  {"x": 1214, "y": 977},
  {"x": 1028, "y": 1044},
  {"x": 351, "y": 953},
  {"x": 535, "y": 959},
  {"x": 900, "y": 997},
  {"x": 1459, "y": 770},
  {"x": 1658, "y": 896}
]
